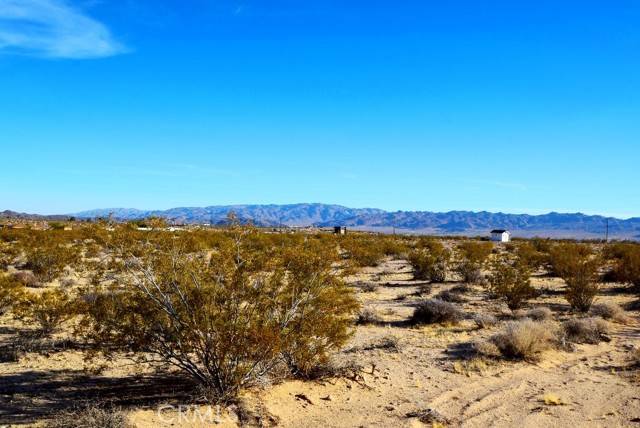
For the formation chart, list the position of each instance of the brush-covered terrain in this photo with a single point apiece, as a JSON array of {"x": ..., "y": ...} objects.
[{"x": 106, "y": 325}]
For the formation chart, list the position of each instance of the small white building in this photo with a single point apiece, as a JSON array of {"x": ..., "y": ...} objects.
[{"x": 500, "y": 235}]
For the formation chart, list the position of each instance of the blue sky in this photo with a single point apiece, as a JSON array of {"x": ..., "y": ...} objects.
[{"x": 415, "y": 105}]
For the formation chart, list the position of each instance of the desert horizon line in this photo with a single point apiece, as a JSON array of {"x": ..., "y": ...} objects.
[{"x": 434, "y": 211}]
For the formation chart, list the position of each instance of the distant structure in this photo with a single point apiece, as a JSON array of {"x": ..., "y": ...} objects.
[
  {"x": 500, "y": 235},
  {"x": 340, "y": 230}
]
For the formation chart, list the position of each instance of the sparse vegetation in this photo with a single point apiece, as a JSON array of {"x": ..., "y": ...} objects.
[{"x": 235, "y": 307}]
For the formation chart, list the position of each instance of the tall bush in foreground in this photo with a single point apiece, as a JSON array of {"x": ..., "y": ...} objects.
[
  {"x": 578, "y": 267},
  {"x": 582, "y": 284},
  {"x": 226, "y": 318}
]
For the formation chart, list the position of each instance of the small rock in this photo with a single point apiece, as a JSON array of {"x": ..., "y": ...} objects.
[{"x": 303, "y": 397}]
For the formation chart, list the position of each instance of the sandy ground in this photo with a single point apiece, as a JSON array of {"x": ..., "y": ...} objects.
[{"x": 596, "y": 384}]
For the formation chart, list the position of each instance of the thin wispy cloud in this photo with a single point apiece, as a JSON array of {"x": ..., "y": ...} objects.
[{"x": 53, "y": 29}]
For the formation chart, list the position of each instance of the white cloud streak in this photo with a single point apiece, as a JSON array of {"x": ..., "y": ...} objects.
[{"x": 53, "y": 29}]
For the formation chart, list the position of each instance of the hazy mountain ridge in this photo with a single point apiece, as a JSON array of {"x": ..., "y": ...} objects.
[{"x": 453, "y": 222}]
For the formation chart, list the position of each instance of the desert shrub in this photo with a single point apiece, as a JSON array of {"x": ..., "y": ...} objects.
[
  {"x": 434, "y": 311},
  {"x": 471, "y": 272},
  {"x": 389, "y": 343},
  {"x": 581, "y": 278},
  {"x": 541, "y": 313},
  {"x": 564, "y": 257},
  {"x": 472, "y": 256},
  {"x": 585, "y": 330},
  {"x": 627, "y": 268},
  {"x": 392, "y": 245},
  {"x": 609, "y": 311},
  {"x": 424, "y": 289},
  {"x": 47, "y": 256},
  {"x": 48, "y": 310},
  {"x": 229, "y": 318},
  {"x": 511, "y": 283},
  {"x": 485, "y": 320},
  {"x": 369, "y": 287},
  {"x": 11, "y": 292},
  {"x": 475, "y": 251},
  {"x": 461, "y": 288},
  {"x": 92, "y": 416},
  {"x": 450, "y": 296},
  {"x": 8, "y": 254},
  {"x": 430, "y": 262},
  {"x": 530, "y": 256},
  {"x": 486, "y": 348},
  {"x": 363, "y": 250},
  {"x": 525, "y": 339},
  {"x": 368, "y": 316},
  {"x": 26, "y": 278}
]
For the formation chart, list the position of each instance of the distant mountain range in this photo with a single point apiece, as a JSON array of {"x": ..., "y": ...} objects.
[{"x": 448, "y": 223}]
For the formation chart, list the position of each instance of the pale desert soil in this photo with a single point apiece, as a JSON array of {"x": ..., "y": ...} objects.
[{"x": 596, "y": 384}]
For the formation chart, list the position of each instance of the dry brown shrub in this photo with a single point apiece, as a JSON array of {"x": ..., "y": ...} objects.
[
  {"x": 541, "y": 313},
  {"x": 368, "y": 316},
  {"x": 27, "y": 279},
  {"x": 525, "y": 339},
  {"x": 369, "y": 287},
  {"x": 586, "y": 330},
  {"x": 434, "y": 311},
  {"x": 486, "y": 348},
  {"x": 485, "y": 320},
  {"x": 451, "y": 296},
  {"x": 610, "y": 311},
  {"x": 92, "y": 416},
  {"x": 388, "y": 343}
]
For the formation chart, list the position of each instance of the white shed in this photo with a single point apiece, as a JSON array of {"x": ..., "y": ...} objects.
[{"x": 500, "y": 235}]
